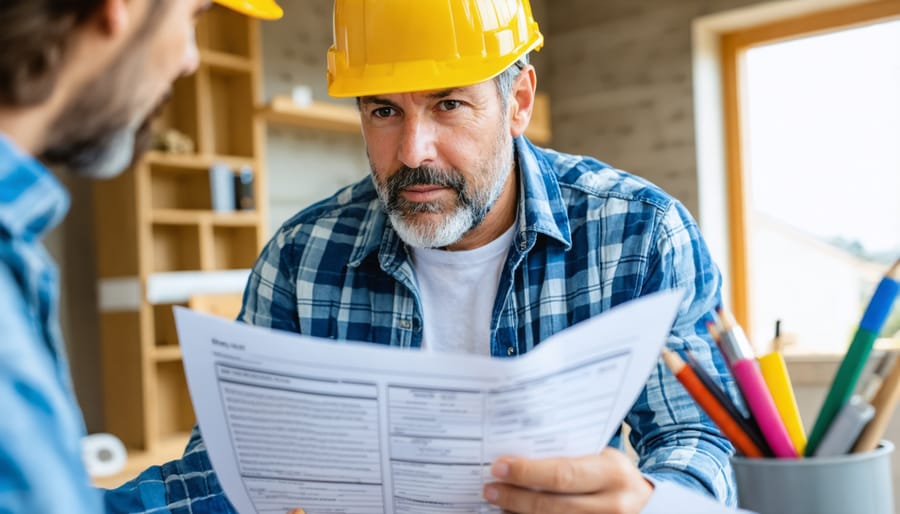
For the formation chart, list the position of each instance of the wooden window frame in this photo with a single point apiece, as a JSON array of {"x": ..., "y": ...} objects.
[{"x": 734, "y": 46}]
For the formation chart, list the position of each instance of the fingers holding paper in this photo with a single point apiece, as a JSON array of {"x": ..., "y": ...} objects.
[{"x": 604, "y": 483}]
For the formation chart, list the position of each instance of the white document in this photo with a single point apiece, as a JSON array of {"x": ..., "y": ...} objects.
[{"x": 349, "y": 428}]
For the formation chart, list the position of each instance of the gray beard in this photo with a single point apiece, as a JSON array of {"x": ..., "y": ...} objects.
[{"x": 467, "y": 214}]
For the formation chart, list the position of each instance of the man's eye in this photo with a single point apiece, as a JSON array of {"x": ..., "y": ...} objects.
[
  {"x": 383, "y": 112},
  {"x": 449, "y": 105}
]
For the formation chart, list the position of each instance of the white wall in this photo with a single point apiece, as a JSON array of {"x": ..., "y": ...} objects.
[{"x": 304, "y": 165}]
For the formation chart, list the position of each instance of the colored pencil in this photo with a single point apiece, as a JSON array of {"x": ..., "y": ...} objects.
[
  {"x": 884, "y": 401},
  {"x": 708, "y": 403},
  {"x": 873, "y": 384},
  {"x": 747, "y": 424},
  {"x": 778, "y": 381}
]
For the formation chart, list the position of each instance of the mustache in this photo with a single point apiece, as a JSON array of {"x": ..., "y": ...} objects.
[
  {"x": 425, "y": 175},
  {"x": 422, "y": 176}
]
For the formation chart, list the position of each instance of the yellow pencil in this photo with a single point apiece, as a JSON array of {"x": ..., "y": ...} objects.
[{"x": 778, "y": 381}]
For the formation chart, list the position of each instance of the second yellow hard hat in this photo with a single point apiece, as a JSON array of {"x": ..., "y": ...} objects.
[
  {"x": 394, "y": 46},
  {"x": 263, "y": 9}
]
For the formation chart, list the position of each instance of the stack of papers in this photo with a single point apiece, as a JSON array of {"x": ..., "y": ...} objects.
[{"x": 292, "y": 421}]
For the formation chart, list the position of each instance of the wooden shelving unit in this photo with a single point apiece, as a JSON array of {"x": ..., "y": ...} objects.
[
  {"x": 340, "y": 118},
  {"x": 159, "y": 242}
]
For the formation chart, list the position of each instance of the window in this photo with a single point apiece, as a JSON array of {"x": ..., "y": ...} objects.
[{"x": 813, "y": 122}]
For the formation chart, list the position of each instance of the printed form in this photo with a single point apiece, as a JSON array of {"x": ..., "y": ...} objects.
[{"x": 347, "y": 428}]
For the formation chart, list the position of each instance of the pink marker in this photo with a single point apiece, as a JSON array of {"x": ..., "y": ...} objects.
[{"x": 749, "y": 379}]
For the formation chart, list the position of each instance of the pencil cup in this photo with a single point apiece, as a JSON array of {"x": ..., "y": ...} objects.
[{"x": 856, "y": 482}]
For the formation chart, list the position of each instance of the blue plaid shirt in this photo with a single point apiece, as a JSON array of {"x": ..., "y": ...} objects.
[
  {"x": 589, "y": 237},
  {"x": 40, "y": 433}
]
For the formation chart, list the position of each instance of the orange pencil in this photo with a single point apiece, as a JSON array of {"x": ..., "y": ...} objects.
[{"x": 710, "y": 405}]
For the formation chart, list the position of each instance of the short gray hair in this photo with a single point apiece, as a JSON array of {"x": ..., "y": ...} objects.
[{"x": 506, "y": 78}]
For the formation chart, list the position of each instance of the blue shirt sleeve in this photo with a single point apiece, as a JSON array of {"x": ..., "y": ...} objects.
[
  {"x": 671, "y": 434},
  {"x": 184, "y": 486},
  {"x": 40, "y": 435}
]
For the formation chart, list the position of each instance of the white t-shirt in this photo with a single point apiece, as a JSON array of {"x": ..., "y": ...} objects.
[{"x": 457, "y": 290}]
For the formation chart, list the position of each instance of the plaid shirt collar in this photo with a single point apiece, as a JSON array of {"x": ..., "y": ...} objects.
[
  {"x": 32, "y": 201},
  {"x": 541, "y": 211}
]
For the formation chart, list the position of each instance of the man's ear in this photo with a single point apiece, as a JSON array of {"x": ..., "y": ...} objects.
[
  {"x": 522, "y": 102},
  {"x": 114, "y": 16}
]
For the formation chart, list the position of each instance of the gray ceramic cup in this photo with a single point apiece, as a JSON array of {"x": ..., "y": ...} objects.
[{"x": 847, "y": 484}]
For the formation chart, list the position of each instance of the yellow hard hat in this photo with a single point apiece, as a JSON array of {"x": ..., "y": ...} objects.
[
  {"x": 396, "y": 46},
  {"x": 263, "y": 9}
]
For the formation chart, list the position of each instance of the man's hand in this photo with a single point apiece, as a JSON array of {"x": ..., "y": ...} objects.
[{"x": 605, "y": 483}]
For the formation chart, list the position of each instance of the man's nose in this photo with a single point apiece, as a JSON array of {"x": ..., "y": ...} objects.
[{"x": 417, "y": 144}]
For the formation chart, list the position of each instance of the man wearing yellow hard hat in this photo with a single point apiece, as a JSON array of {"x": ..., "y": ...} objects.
[
  {"x": 467, "y": 238},
  {"x": 78, "y": 81}
]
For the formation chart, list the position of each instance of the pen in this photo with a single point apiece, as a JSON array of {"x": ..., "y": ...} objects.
[
  {"x": 747, "y": 424},
  {"x": 778, "y": 381},
  {"x": 852, "y": 365},
  {"x": 778, "y": 342},
  {"x": 884, "y": 402},
  {"x": 750, "y": 381},
  {"x": 708, "y": 403},
  {"x": 846, "y": 428}
]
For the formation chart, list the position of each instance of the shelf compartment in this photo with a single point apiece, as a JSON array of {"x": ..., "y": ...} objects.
[
  {"x": 235, "y": 247},
  {"x": 223, "y": 30},
  {"x": 123, "y": 364},
  {"x": 164, "y": 334},
  {"x": 175, "y": 414},
  {"x": 182, "y": 111},
  {"x": 176, "y": 247},
  {"x": 231, "y": 109},
  {"x": 115, "y": 219},
  {"x": 179, "y": 188}
]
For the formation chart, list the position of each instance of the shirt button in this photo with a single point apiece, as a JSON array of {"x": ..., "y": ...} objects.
[
  {"x": 510, "y": 350},
  {"x": 405, "y": 324}
]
